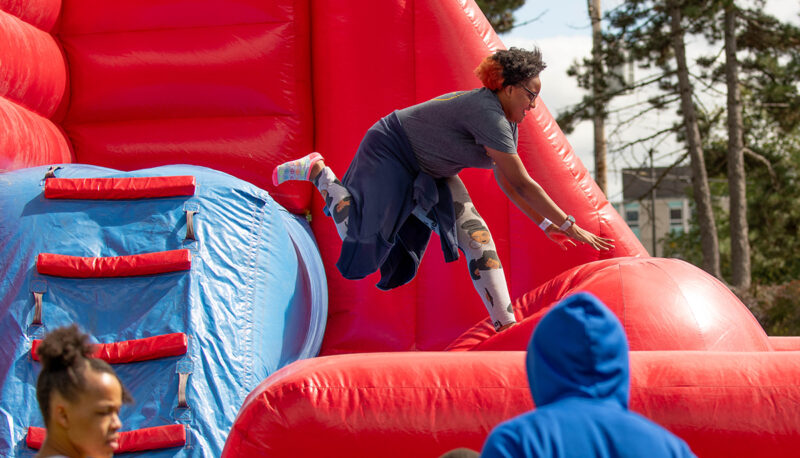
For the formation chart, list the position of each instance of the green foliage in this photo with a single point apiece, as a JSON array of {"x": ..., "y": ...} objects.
[
  {"x": 773, "y": 213},
  {"x": 773, "y": 187},
  {"x": 769, "y": 62},
  {"x": 777, "y": 307},
  {"x": 771, "y": 67},
  {"x": 500, "y": 13}
]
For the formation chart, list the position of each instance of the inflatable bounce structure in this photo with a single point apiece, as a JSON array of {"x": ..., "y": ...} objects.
[{"x": 137, "y": 143}]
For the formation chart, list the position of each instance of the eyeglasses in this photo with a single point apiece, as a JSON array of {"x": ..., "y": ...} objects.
[{"x": 531, "y": 95}]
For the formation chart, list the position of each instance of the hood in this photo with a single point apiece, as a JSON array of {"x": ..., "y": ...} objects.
[{"x": 579, "y": 349}]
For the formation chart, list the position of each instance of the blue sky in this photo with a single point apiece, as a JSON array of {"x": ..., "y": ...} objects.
[
  {"x": 558, "y": 18},
  {"x": 569, "y": 17}
]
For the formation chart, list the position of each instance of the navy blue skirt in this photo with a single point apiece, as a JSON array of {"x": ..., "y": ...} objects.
[{"x": 387, "y": 184}]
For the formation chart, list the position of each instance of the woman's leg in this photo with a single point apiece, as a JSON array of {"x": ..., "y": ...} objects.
[
  {"x": 337, "y": 197},
  {"x": 485, "y": 269}
]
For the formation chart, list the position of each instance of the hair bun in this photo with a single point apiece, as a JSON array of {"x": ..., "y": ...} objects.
[{"x": 64, "y": 348}]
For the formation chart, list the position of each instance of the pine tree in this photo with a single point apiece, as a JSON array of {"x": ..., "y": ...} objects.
[{"x": 500, "y": 13}]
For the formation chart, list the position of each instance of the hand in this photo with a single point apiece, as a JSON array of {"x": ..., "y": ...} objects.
[
  {"x": 584, "y": 236},
  {"x": 561, "y": 238}
]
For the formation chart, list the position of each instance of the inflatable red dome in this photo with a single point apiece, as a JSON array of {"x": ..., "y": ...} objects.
[{"x": 242, "y": 85}]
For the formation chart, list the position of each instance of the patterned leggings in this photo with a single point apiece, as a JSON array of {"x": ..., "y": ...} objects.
[{"x": 474, "y": 240}]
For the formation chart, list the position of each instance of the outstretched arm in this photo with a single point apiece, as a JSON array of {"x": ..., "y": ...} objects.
[
  {"x": 529, "y": 197},
  {"x": 548, "y": 227}
]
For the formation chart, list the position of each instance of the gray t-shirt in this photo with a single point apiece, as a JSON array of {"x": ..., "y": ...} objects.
[{"x": 449, "y": 133}]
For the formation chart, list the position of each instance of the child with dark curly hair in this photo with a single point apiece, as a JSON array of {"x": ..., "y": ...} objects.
[
  {"x": 408, "y": 164},
  {"x": 79, "y": 396}
]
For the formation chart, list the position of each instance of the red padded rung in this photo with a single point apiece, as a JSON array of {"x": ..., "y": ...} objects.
[
  {"x": 138, "y": 440},
  {"x": 118, "y": 188},
  {"x": 130, "y": 351},
  {"x": 115, "y": 266},
  {"x": 35, "y": 437}
]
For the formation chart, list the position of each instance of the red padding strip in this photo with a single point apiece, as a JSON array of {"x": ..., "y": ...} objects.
[
  {"x": 130, "y": 351},
  {"x": 138, "y": 440},
  {"x": 118, "y": 188},
  {"x": 116, "y": 266}
]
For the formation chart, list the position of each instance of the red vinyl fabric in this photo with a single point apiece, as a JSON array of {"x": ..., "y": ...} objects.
[
  {"x": 119, "y": 188},
  {"x": 223, "y": 84},
  {"x": 130, "y": 351},
  {"x": 34, "y": 89},
  {"x": 424, "y": 404},
  {"x": 61, "y": 265},
  {"x": 138, "y": 440},
  {"x": 663, "y": 304},
  {"x": 42, "y": 14},
  {"x": 785, "y": 343}
]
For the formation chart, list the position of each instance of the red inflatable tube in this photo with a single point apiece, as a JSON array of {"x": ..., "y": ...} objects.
[
  {"x": 785, "y": 343},
  {"x": 423, "y": 404},
  {"x": 33, "y": 65},
  {"x": 60, "y": 265},
  {"x": 663, "y": 304},
  {"x": 380, "y": 404},
  {"x": 29, "y": 139},
  {"x": 42, "y": 14},
  {"x": 138, "y": 440},
  {"x": 130, "y": 351},
  {"x": 119, "y": 188}
]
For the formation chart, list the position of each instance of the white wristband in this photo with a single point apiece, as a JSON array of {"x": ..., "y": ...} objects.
[
  {"x": 545, "y": 224},
  {"x": 567, "y": 223}
]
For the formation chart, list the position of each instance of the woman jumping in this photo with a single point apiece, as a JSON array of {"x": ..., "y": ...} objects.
[{"x": 408, "y": 164}]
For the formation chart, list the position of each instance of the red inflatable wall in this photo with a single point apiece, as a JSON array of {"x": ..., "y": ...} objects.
[{"x": 224, "y": 84}]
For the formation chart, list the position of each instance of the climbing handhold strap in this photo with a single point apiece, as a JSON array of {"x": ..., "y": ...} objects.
[
  {"x": 115, "y": 266},
  {"x": 138, "y": 440},
  {"x": 130, "y": 351},
  {"x": 119, "y": 188}
]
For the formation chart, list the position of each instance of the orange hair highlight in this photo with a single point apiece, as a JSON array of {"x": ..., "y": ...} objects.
[{"x": 490, "y": 72}]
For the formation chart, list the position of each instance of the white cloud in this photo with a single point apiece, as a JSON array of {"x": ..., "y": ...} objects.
[
  {"x": 785, "y": 10},
  {"x": 558, "y": 89}
]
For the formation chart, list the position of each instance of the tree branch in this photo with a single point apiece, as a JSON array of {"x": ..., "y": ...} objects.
[{"x": 765, "y": 162}]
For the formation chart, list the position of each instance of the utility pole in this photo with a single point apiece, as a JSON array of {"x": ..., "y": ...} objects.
[
  {"x": 653, "y": 202},
  {"x": 598, "y": 85}
]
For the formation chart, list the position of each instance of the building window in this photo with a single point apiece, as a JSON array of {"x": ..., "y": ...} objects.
[
  {"x": 632, "y": 217},
  {"x": 676, "y": 222},
  {"x": 632, "y": 214}
]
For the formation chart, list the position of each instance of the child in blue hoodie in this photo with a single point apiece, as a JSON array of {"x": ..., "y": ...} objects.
[{"x": 577, "y": 366}]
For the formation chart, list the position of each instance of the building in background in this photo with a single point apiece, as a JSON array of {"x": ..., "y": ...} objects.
[{"x": 661, "y": 189}]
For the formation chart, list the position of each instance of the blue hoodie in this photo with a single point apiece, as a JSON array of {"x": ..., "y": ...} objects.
[{"x": 577, "y": 365}]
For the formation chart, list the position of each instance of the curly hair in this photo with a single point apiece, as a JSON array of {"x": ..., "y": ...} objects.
[
  {"x": 510, "y": 67},
  {"x": 66, "y": 355}
]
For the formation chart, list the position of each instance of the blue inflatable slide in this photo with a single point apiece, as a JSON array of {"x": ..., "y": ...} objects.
[{"x": 195, "y": 293}]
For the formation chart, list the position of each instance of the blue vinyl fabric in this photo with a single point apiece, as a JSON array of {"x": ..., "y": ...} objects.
[
  {"x": 254, "y": 300},
  {"x": 578, "y": 371}
]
